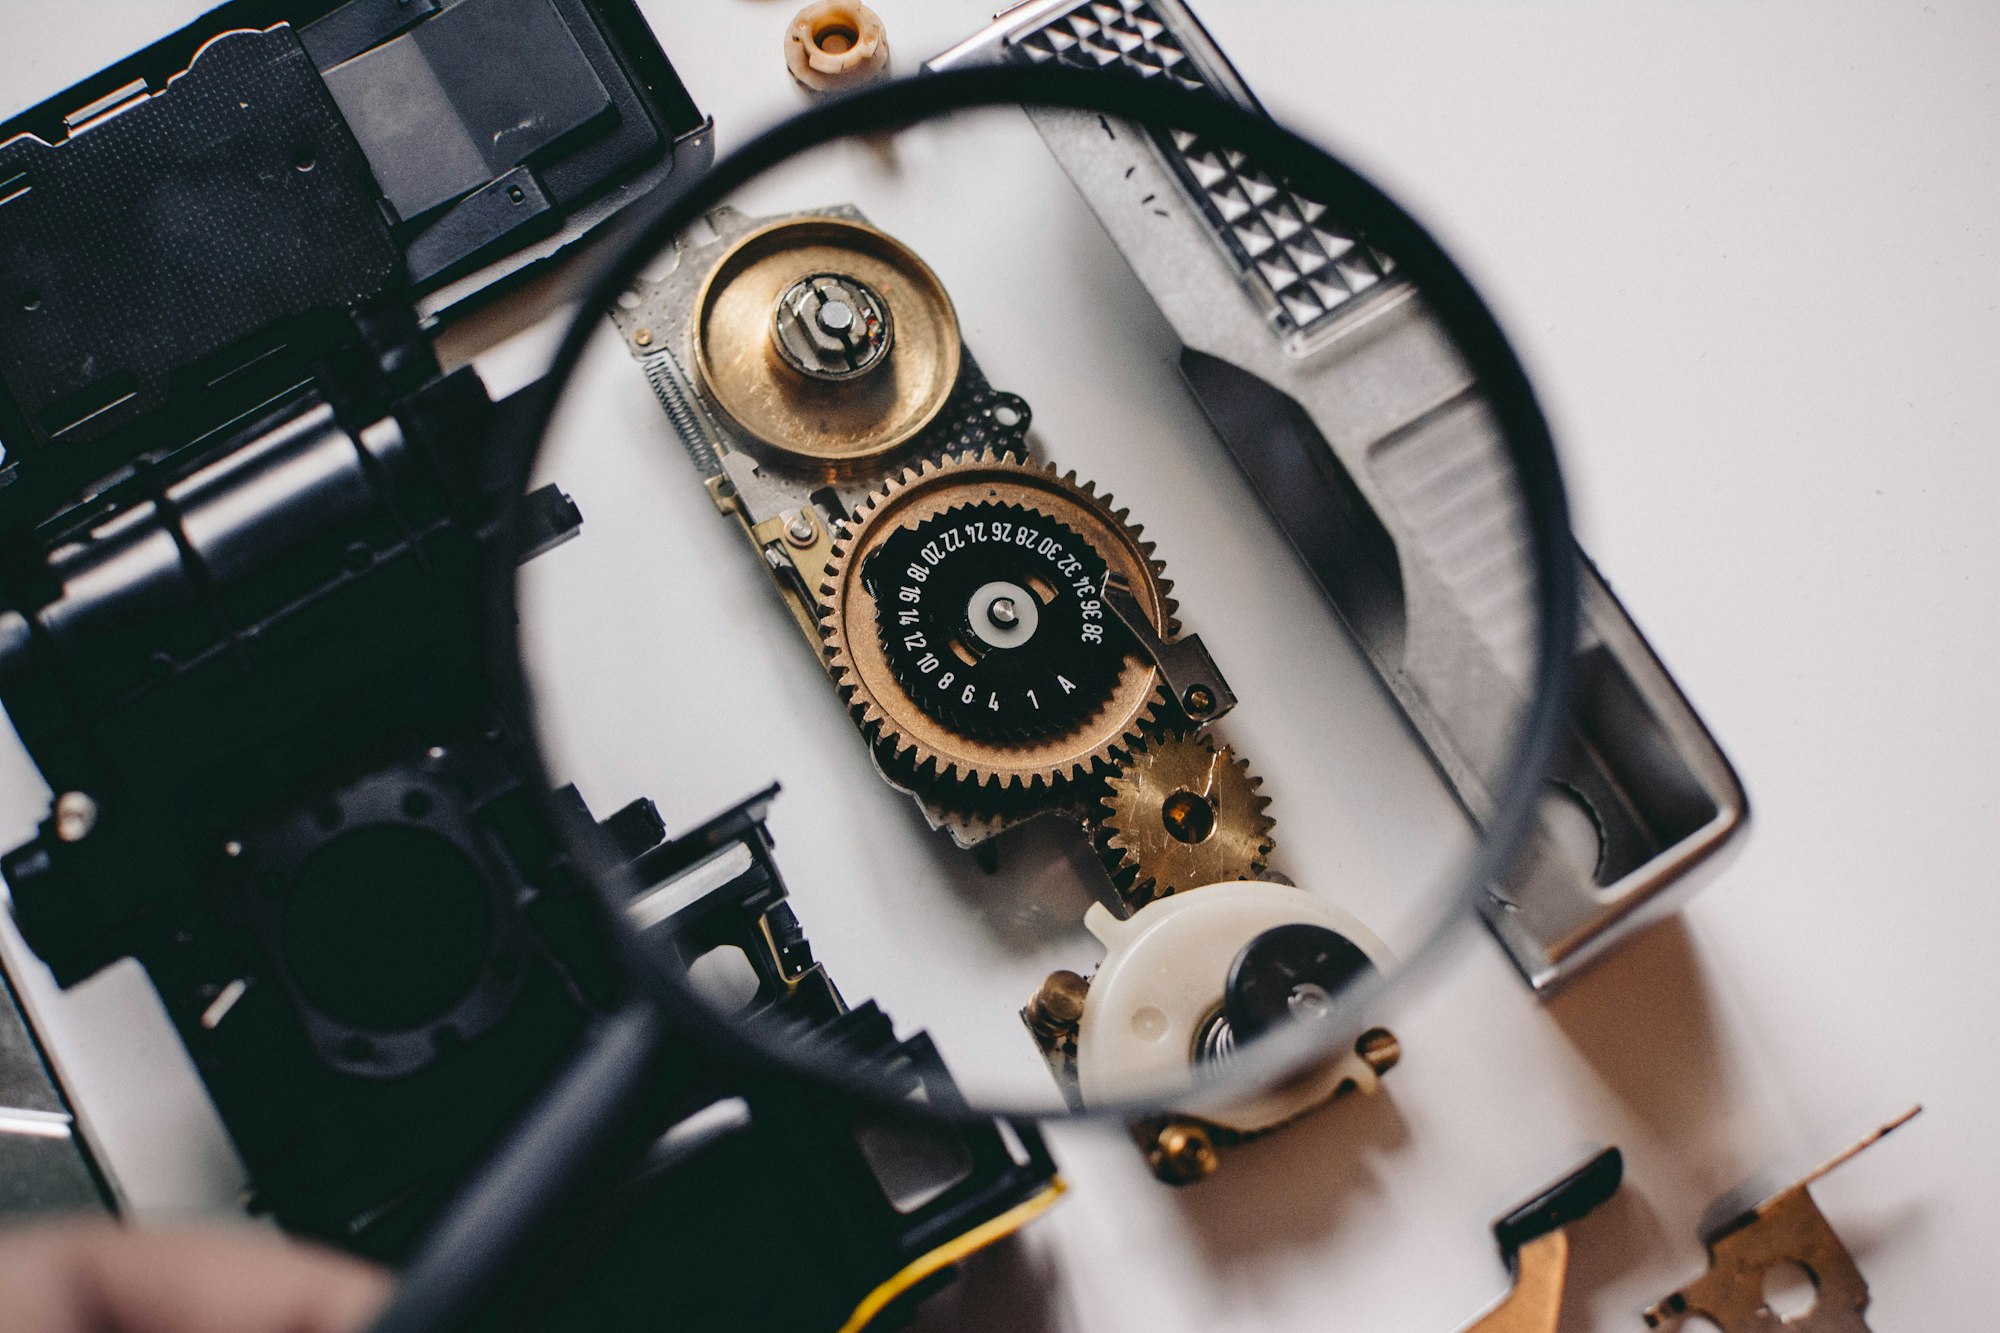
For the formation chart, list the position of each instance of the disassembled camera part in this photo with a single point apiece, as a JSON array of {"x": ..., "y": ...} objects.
[
  {"x": 1371, "y": 446},
  {"x": 911, "y": 1196},
  {"x": 835, "y": 45},
  {"x": 1183, "y": 1149},
  {"x": 1534, "y": 1242},
  {"x": 793, "y": 332},
  {"x": 835, "y": 413},
  {"x": 1003, "y": 634},
  {"x": 965, "y": 624},
  {"x": 1179, "y": 813},
  {"x": 249, "y": 521},
  {"x": 1784, "y": 1233},
  {"x": 320, "y": 156},
  {"x": 1188, "y": 979}
]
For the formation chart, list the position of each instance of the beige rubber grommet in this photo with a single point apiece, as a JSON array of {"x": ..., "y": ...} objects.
[{"x": 834, "y": 45}]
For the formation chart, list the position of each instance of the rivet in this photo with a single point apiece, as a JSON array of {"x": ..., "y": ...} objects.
[{"x": 75, "y": 816}]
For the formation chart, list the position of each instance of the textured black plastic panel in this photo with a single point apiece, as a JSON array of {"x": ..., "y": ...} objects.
[{"x": 155, "y": 237}]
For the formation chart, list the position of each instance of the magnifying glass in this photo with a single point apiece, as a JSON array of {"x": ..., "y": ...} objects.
[{"x": 1127, "y": 544}]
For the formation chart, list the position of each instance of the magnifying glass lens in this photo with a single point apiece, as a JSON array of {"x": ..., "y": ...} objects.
[{"x": 1105, "y": 534}]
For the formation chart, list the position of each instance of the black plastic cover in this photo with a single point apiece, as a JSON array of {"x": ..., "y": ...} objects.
[
  {"x": 154, "y": 238},
  {"x": 441, "y": 109},
  {"x": 186, "y": 236}
]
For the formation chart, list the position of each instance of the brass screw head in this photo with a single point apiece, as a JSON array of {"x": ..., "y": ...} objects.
[
  {"x": 1057, "y": 1007},
  {"x": 1379, "y": 1047},
  {"x": 1199, "y": 701},
  {"x": 644, "y": 337},
  {"x": 1183, "y": 1153}
]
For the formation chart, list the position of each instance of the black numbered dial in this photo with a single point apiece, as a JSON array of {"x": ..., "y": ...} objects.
[{"x": 993, "y": 620}]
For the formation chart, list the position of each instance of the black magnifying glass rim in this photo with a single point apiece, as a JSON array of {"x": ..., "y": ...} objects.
[{"x": 1311, "y": 170}]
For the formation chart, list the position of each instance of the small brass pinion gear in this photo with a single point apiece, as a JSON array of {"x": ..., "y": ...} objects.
[
  {"x": 964, "y": 625},
  {"x": 1182, "y": 814}
]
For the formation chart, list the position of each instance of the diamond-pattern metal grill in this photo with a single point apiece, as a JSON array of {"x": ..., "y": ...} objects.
[
  {"x": 1307, "y": 265},
  {"x": 1311, "y": 264},
  {"x": 1099, "y": 34}
]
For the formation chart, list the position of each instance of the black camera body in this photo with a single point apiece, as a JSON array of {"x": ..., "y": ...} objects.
[{"x": 246, "y": 525}]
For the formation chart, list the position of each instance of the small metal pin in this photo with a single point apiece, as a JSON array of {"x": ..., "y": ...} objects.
[
  {"x": 1003, "y": 612},
  {"x": 801, "y": 530},
  {"x": 225, "y": 1000}
]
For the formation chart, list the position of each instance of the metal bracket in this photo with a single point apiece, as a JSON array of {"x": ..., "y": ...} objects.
[
  {"x": 1786, "y": 1228},
  {"x": 1370, "y": 445},
  {"x": 1185, "y": 664},
  {"x": 1534, "y": 1240}
]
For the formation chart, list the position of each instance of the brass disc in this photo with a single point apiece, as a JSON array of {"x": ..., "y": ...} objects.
[{"x": 827, "y": 427}]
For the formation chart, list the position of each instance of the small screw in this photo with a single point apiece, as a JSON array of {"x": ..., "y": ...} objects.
[
  {"x": 1058, "y": 1005},
  {"x": 1182, "y": 1153},
  {"x": 644, "y": 337},
  {"x": 1379, "y": 1047},
  {"x": 1199, "y": 701},
  {"x": 76, "y": 816},
  {"x": 801, "y": 530}
]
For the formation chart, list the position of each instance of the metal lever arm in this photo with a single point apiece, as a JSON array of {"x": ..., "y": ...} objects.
[{"x": 1186, "y": 666}]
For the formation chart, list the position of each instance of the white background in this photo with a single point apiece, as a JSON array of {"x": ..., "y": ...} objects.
[{"x": 1749, "y": 253}]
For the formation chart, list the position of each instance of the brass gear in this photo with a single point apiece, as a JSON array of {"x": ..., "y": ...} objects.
[
  {"x": 916, "y": 745},
  {"x": 1180, "y": 814}
]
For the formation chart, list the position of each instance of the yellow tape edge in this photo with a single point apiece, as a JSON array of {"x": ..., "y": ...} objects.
[{"x": 951, "y": 1252}]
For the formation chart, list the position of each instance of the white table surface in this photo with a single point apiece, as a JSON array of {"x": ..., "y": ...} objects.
[{"x": 1749, "y": 252}]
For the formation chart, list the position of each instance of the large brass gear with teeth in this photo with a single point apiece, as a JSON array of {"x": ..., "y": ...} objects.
[
  {"x": 1181, "y": 814},
  {"x": 914, "y": 736}
]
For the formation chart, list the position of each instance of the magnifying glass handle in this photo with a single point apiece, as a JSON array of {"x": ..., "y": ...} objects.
[{"x": 571, "y": 1132}]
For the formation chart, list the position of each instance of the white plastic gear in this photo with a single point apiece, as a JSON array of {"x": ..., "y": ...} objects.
[
  {"x": 1163, "y": 976},
  {"x": 912, "y": 743}
]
